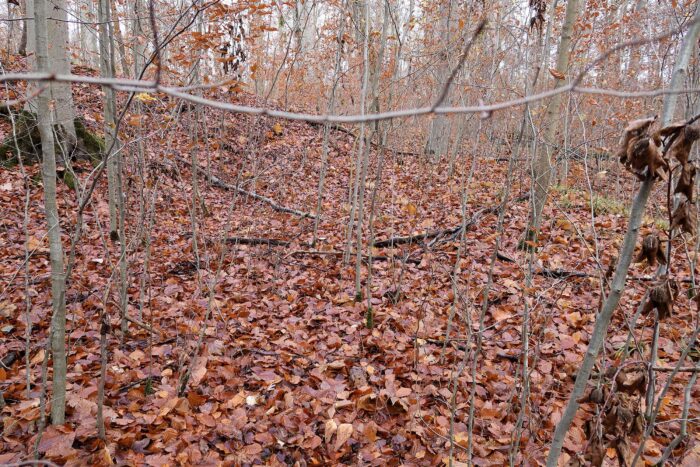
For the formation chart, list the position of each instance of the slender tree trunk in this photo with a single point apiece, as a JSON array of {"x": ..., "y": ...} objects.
[
  {"x": 22, "y": 50},
  {"x": 363, "y": 159},
  {"x": 103, "y": 16},
  {"x": 542, "y": 170},
  {"x": 327, "y": 126},
  {"x": 438, "y": 141},
  {"x": 120, "y": 39},
  {"x": 48, "y": 172}
]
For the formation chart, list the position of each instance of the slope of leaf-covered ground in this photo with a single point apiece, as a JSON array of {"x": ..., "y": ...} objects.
[{"x": 288, "y": 371}]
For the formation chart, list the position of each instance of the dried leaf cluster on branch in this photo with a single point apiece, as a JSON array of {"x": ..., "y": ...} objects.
[
  {"x": 620, "y": 390},
  {"x": 621, "y": 416},
  {"x": 640, "y": 151},
  {"x": 685, "y": 215}
]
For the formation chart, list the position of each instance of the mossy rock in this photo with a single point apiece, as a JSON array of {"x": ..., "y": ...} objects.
[{"x": 27, "y": 142}]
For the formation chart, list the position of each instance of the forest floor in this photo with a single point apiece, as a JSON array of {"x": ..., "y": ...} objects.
[{"x": 288, "y": 369}]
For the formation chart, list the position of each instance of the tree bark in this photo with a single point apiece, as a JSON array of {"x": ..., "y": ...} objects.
[
  {"x": 112, "y": 160},
  {"x": 59, "y": 62},
  {"x": 438, "y": 141},
  {"x": 542, "y": 169},
  {"x": 48, "y": 172}
]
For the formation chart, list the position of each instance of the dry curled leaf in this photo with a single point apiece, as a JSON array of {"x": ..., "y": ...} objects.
[
  {"x": 680, "y": 149},
  {"x": 651, "y": 251},
  {"x": 641, "y": 153},
  {"x": 557, "y": 74},
  {"x": 686, "y": 181},
  {"x": 644, "y": 158},
  {"x": 632, "y": 380},
  {"x": 661, "y": 297},
  {"x": 685, "y": 217},
  {"x": 343, "y": 434}
]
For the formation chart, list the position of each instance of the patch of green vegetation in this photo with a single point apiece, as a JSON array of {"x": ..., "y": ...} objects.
[
  {"x": 69, "y": 179},
  {"x": 661, "y": 224},
  {"x": 604, "y": 205}
]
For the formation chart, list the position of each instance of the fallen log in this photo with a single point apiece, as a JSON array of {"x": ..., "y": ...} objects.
[
  {"x": 257, "y": 241},
  {"x": 364, "y": 257},
  {"x": 216, "y": 181},
  {"x": 389, "y": 242}
]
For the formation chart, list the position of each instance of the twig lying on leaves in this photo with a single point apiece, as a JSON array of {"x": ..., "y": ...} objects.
[
  {"x": 364, "y": 257},
  {"x": 216, "y": 181},
  {"x": 257, "y": 241},
  {"x": 452, "y": 231}
]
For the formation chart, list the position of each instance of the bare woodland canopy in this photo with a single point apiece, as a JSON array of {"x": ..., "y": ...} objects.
[{"x": 359, "y": 232}]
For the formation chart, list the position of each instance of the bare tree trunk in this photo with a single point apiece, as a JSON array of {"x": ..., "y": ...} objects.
[
  {"x": 120, "y": 39},
  {"x": 438, "y": 141},
  {"x": 22, "y": 50},
  {"x": 603, "y": 321},
  {"x": 59, "y": 62},
  {"x": 58, "y": 285},
  {"x": 327, "y": 127},
  {"x": 542, "y": 170},
  {"x": 106, "y": 60}
]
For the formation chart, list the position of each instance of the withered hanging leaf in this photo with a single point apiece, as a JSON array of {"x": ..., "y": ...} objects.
[
  {"x": 537, "y": 19},
  {"x": 674, "y": 127},
  {"x": 644, "y": 158},
  {"x": 640, "y": 153},
  {"x": 661, "y": 297},
  {"x": 557, "y": 74},
  {"x": 595, "y": 453},
  {"x": 685, "y": 217},
  {"x": 595, "y": 395},
  {"x": 632, "y": 380},
  {"x": 640, "y": 126},
  {"x": 651, "y": 251},
  {"x": 681, "y": 147},
  {"x": 685, "y": 183}
]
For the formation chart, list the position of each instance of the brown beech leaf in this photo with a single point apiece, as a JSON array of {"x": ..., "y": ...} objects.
[
  {"x": 681, "y": 147},
  {"x": 686, "y": 180},
  {"x": 557, "y": 74},
  {"x": 651, "y": 251},
  {"x": 632, "y": 380},
  {"x": 661, "y": 297},
  {"x": 672, "y": 128},
  {"x": 644, "y": 158},
  {"x": 685, "y": 217},
  {"x": 595, "y": 453},
  {"x": 343, "y": 434}
]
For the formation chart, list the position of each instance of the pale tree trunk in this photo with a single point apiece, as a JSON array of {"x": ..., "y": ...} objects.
[
  {"x": 438, "y": 141},
  {"x": 23, "y": 40},
  {"x": 120, "y": 39},
  {"x": 59, "y": 62},
  {"x": 61, "y": 96},
  {"x": 626, "y": 251},
  {"x": 48, "y": 172},
  {"x": 542, "y": 169},
  {"x": 327, "y": 126},
  {"x": 30, "y": 50},
  {"x": 138, "y": 37},
  {"x": 103, "y": 15}
]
